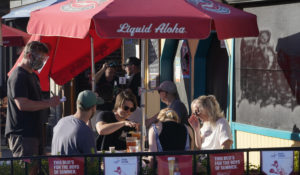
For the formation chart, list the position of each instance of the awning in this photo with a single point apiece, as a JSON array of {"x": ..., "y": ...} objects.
[{"x": 24, "y": 11}]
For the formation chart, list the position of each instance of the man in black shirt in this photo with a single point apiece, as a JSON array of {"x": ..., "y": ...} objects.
[
  {"x": 25, "y": 103},
  {"x": 132, "y": 68}
]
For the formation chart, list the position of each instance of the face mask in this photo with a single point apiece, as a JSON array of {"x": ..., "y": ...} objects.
[{"x": 37, "y": 62}]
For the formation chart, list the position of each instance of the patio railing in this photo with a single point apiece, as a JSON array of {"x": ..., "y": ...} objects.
[{"x": 93, "y": 163}]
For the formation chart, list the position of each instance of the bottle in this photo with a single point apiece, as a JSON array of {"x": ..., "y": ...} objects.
[
  {"x": 116, "y": 89},
  {"x": 176, "y": 168}
]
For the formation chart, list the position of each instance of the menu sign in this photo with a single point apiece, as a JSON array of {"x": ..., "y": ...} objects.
[
  {"x": 66, "y": 166},
  {"x": 121, "y": 165},
  {"x": 175, "y": 165},
  {"x": 228, "y": 163}
]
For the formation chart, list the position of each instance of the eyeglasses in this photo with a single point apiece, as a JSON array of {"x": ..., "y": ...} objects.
[{"x": 126, "y": 108}]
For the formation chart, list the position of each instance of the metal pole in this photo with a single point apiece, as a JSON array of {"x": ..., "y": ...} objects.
[
  {"x": 1, "y": 67},
  {"x": 92, "y": 64},
  {"x": 143, "y": 101}
]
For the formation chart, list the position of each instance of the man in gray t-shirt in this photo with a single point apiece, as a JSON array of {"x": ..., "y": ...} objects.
[{"x": 71, "y": 135}]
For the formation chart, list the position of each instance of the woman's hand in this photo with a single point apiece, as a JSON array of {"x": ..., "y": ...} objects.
[
  {"x": 131, "y": 124},
  {"x": 194, "y": 122}
]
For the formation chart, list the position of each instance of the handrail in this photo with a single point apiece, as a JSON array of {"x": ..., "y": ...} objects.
[{"x": 158, "y": 153}]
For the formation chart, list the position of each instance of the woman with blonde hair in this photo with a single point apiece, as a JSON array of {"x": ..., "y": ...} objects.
[
  {"x": 169, "y": 134},
  {"x": 215, "y": 132}
]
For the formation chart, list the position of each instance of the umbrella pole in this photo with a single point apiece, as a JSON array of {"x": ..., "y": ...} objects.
[
  {"x": 92, "y": 64},
  {"x": 143, "y": 95}
]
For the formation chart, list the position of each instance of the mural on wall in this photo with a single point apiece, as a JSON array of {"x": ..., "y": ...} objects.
[
  {"x": 268, "y": 70},
  {"x": 262, "y": 70}
]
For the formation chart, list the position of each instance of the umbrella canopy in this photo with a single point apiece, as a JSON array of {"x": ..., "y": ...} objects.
[
  {"x": 143, "y": 19},
  {"x": 13, "y": 37}
]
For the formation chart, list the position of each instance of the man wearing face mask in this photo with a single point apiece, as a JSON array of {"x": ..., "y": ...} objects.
[
  {"x": 25, "y": 103},
  {"x": 72, "y": 135}
]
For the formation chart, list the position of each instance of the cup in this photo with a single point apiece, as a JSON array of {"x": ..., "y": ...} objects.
[
  {"x": 136, "y": 134},
  {"x": 133, "y": 149},
  {"x": 112, "y": 149},
  {"x": 171, "y": 163},
  {"x": 131, "y": 141}
]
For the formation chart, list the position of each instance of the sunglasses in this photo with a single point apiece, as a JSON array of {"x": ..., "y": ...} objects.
[
  {"x": 196, "y": 113},
  {"x": 126, "y": 108}
]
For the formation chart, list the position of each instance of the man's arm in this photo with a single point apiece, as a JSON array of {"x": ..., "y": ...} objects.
[
  {"x": 25, "y": 104},
  {"x": 99, "y": 74},
  {"x": 151, "y": 120}
]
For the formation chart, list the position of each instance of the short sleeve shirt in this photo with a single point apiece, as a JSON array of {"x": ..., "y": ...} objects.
[
  {"x": 180, "y": 109},
  {"x": 72, "y": 136},
  {"x": 134, "y": 84},
  {"x": 117, "y": 138},
  {"x": 214, "y": 136},
  {"x": 21, "y": 83}
]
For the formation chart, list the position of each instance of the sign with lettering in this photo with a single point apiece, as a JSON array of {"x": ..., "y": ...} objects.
[
  {"x": 173, "y": 165},
  {"x": 121, "y": 165},
  {"x": 153, "y": 62},
  {"x": 277, "y": 162},
  {"x": 185, "y": 59},
  {"x": 227, "y": 163},
  {"x": 164, "y": 28},
  {"x": 66, "y": 165}
]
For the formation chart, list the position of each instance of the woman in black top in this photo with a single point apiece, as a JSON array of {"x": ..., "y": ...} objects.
[
  {"x": 113, "y": 126},
  {"x": 169, "y": 134}
]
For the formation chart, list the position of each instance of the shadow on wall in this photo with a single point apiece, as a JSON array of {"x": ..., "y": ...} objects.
[
  {"x": 269, "y": 77},
  {"x": 289, "y": 61}
]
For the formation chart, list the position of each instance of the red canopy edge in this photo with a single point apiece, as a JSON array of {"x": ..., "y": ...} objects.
[
  {"x": 62, "y": 69},
  {"x": 13, "y": 37}
]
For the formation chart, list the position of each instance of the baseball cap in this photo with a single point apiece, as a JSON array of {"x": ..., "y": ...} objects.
[
  {"x": 132, "y": 61},
  {"x": 167, "y": 86},
  {"x": 88, "y": 99}
]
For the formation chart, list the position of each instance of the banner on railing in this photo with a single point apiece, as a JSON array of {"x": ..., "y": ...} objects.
[
  {"x": 277, "y": 162},
  {"x": 66, "y": 165},
  {"x": 121, "y": 165},
  {"x": 227, "y": 163},
  {"x": 174, "y": 165}
]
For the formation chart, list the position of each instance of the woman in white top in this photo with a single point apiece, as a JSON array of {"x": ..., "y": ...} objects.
[{"x": 215, "y": 132}]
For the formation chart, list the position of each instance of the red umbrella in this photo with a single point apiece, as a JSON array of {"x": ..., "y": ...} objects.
[
  {"x": 13, "y": 37},
  {"x": 143, "y": 19}
]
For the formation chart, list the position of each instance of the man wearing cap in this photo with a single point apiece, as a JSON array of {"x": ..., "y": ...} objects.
[
  {"x": 132, "y": 68},
  {"x": 168, "y": 94},
  {"x": 107, "y": 85},
  {"x": 72, "y": 135}
]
